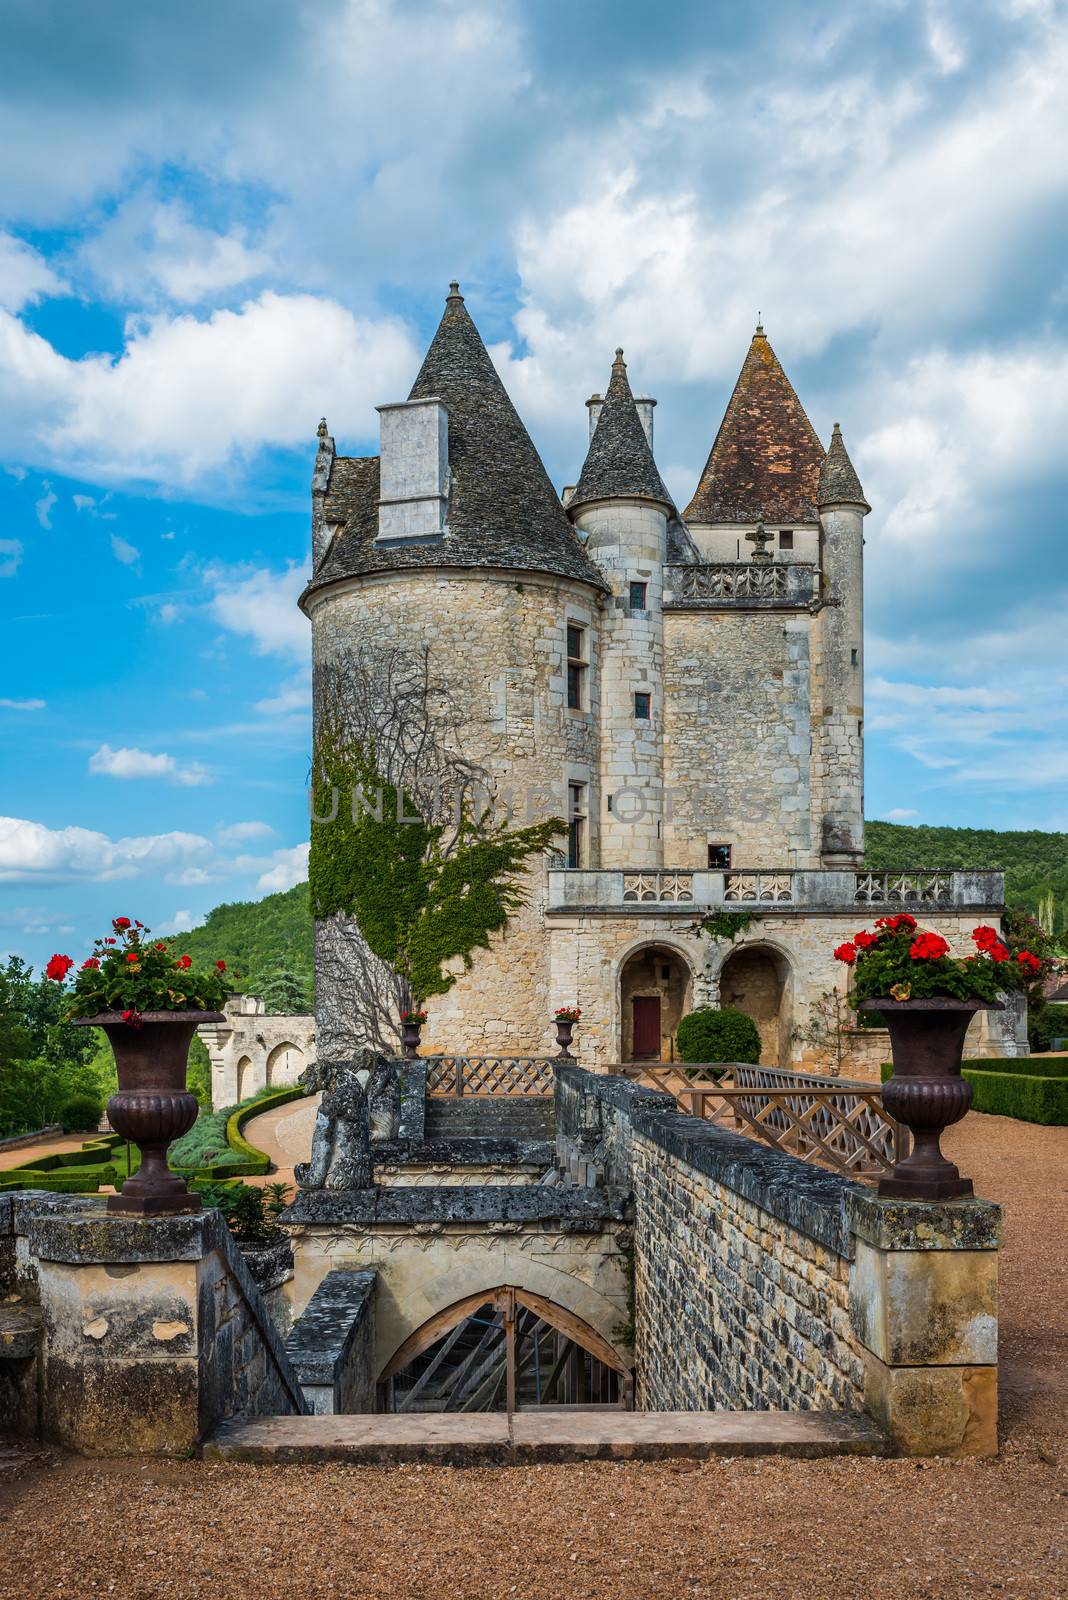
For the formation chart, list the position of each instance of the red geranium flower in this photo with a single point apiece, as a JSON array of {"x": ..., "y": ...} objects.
[
  {"x": 864, "y": 940},
  {"x": 846, "y": 952},
  {"x": 985, "y": 936},
  {"x": 91, "y": 962},
  {"x": 1031, "y": 962},
  {"x": 133, "y": 957},
  {"x": 221, "y": 965},
  {"x": 118, "y": 923},
  {"x": 160, "y": 946},
  {"x": 902, "y": 920},
  {"x": 184, "y": 961},
  {"x": 109, "y": 941},
  {"x": 928, "y": 947},
  {"x": 58, "y": 968},
  {"x": 997, "y": 952},
  {"x": 133, "y": 1018}
]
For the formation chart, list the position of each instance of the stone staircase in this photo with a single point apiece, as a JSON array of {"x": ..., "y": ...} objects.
[{"x": 505, "y": 1116}]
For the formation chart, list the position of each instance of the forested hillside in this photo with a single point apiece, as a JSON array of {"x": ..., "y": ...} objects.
[
  {"x": 258, "y": 939},
  {"x": 1035, "y": 864}
]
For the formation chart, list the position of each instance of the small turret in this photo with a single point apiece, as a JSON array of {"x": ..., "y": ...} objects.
[{"x": 839, "y": 738}]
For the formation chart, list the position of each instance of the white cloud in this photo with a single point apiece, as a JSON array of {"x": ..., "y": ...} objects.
[
  {"x": 25, "y": 276},
  {"x": 11, "y": 551},
  {"x": 294, "y": 697},
  {"x": 167, "y": 614},
  {"x": 31, "y": 851},
  {"x": 23, "y": 705},
  {"x": 83, "y": 502},
  {"x": 192, "y": 399},
  {"x": 261, "y": 605},
  {"x": 130, "y": 762},
  {"x": 150, "y": 242},
  {"x": 900, "y": 814},
  {"x": 127, "y": 553},
  {"x": 181, "y": 922},
  {"x": 43, "y": 506},
  {"x": 289, "y": 867},
  {"x": 237, "y": 832}
]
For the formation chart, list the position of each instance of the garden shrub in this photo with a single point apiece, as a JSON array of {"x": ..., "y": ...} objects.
[
  {"x": 1046, "y": 1024},
  {"x": 80, "y": 1113},
  {"x": 718, "y": 1035},
  {"x": 1015, "y": 1088}
]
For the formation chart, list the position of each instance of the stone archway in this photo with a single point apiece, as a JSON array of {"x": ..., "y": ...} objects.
[
  {"x": 245, "y": 1085},
  {"x": 285, "y": 1063},
  {"x": 756, "y": 979},
  {"x": 655, "y": 985}
]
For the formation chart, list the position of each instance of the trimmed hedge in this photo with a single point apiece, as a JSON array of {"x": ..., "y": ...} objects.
[
  {"x": 1024, "y": 1094},
  {"x": 718, "y": 1034},
  {"x": 86, "y": 1170}
]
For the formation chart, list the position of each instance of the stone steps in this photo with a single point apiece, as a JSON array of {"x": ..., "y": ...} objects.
[
  {"x": 504, "y": 1116},
  {"x": 552, "y": 1435}
]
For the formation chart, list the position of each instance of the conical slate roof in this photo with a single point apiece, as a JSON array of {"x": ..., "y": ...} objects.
[
  {"x": 839, "y": 484},
  {"x": 503, "y": 510},
  {"x": 765, "y": 462},
  {"x": 619, "y": 461}
]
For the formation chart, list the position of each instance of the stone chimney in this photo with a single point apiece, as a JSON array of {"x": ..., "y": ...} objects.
[{"x": 414, "y": 484}]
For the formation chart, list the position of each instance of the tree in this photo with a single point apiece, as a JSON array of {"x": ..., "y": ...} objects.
[{"x": 285, "y": 993}]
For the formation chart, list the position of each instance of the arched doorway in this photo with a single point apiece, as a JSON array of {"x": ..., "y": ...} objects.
[
  {"x": 654, "y": 995},
  {"x": 245, "y": 1086},
  {"x": 504, "y": 1349},
  {"x": 755, "y": 979},
  {"x": 284, "y": 1065}
]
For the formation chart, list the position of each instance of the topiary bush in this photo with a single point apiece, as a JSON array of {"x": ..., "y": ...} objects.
[
  {"x": 718, "y": 1035},
  {"x": 81, "y": 1113}
]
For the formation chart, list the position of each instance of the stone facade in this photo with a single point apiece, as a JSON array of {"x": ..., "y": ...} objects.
[
  {"x": 252, "y": 1051},
  {"x": 685, "y": 693}
]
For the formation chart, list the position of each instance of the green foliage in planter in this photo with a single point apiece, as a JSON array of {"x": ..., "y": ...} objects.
[
  {"x": 1015, "y": 1089},
  {"x": 718, "y": 1035},
  {"x": 419, "y": 899},
  {"x": 81, "y": 1113}
]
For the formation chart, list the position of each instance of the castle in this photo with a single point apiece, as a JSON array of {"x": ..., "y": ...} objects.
[{"x": 685, "y": 688}]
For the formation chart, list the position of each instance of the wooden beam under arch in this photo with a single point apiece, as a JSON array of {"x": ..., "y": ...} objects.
[{"x": 558, "y": 1317}]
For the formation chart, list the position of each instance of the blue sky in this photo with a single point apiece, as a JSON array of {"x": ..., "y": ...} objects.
[{"x": 221, "y": 220}]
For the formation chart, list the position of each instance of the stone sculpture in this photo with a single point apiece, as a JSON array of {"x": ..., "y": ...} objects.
[{"x": 341, "y": 1142}]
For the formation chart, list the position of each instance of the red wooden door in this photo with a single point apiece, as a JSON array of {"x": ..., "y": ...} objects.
[{"x": 647, "y": 1025}]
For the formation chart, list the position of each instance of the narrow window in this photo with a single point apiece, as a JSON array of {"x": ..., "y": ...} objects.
[
  {"x": 642, "y": 706},
  {"x": 786, "y": 539},
  {"x": 853, "y": 657},
  {"x": 576, "y": 823},
  {"x": 638, "y": 593},
  {"x": 719, "y": 857},
  {"x": 576, "y": 667},
  {"x": 609, "y": 802}
]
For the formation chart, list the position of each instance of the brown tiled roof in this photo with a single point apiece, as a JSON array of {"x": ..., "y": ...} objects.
[
  {"x": 619, "y": 461},
  {"x": 503, "y": 510},
  {"x": 765, "y": 462}
]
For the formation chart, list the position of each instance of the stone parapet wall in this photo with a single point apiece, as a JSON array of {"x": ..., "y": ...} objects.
[{"x": 757, "y": 1308}]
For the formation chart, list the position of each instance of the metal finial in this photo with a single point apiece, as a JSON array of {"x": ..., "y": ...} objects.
[
  {"x": 760, "y": 326},
  {"x": 454, "y": 289}
]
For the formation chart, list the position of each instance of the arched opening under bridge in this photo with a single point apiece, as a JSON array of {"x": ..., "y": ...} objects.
[{"x": 505, "y": 1349}]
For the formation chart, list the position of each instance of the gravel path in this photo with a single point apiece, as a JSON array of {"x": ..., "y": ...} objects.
[
  {"x": 284, "y": 1134},
  {"x": 769, "y": 1530}
]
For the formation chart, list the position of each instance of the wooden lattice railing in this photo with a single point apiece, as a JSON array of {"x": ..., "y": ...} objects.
[
  {"x": 485, "y": 1075},
  {"x": 828, "y": 1120}
]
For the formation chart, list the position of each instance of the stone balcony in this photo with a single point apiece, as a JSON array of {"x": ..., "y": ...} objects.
[
  {"x": 663, "y": 890},
  {"x": 741, "y": 586}
]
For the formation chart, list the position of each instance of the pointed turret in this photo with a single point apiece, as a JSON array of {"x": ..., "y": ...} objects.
[
  {"x": 458, "y": 483},
  {"x": 765, "y": 461},
  {"x": 619, "y": 464},
  {"x": 839, "y": 484}
]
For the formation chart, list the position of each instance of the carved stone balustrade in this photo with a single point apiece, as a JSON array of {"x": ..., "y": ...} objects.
[
  {"x": 741, "y": 585},
  {"x": 664, "y": 891}
]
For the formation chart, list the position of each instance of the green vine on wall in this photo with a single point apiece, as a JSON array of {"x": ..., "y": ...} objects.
[
  {"x": 728, "y": 924},
  {"x": 421, "y": 893}
]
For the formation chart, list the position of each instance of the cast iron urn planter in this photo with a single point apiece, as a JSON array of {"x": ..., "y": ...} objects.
[
  {"x": 926, "y": 1092},
  {"x": 153, "y": 1106},
  {"x": 411, "y": 1030},
  {"x": 565, "y": 1028}
]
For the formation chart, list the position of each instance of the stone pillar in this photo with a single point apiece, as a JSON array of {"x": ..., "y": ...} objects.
[
  {"x": 628, "y": 541},
  {"x": 923, "y": 1307},
  {"x": 154, "y": 1332}
]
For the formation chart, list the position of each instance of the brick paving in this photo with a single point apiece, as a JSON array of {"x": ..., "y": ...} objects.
[{"x": 846, "y": 1529}]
